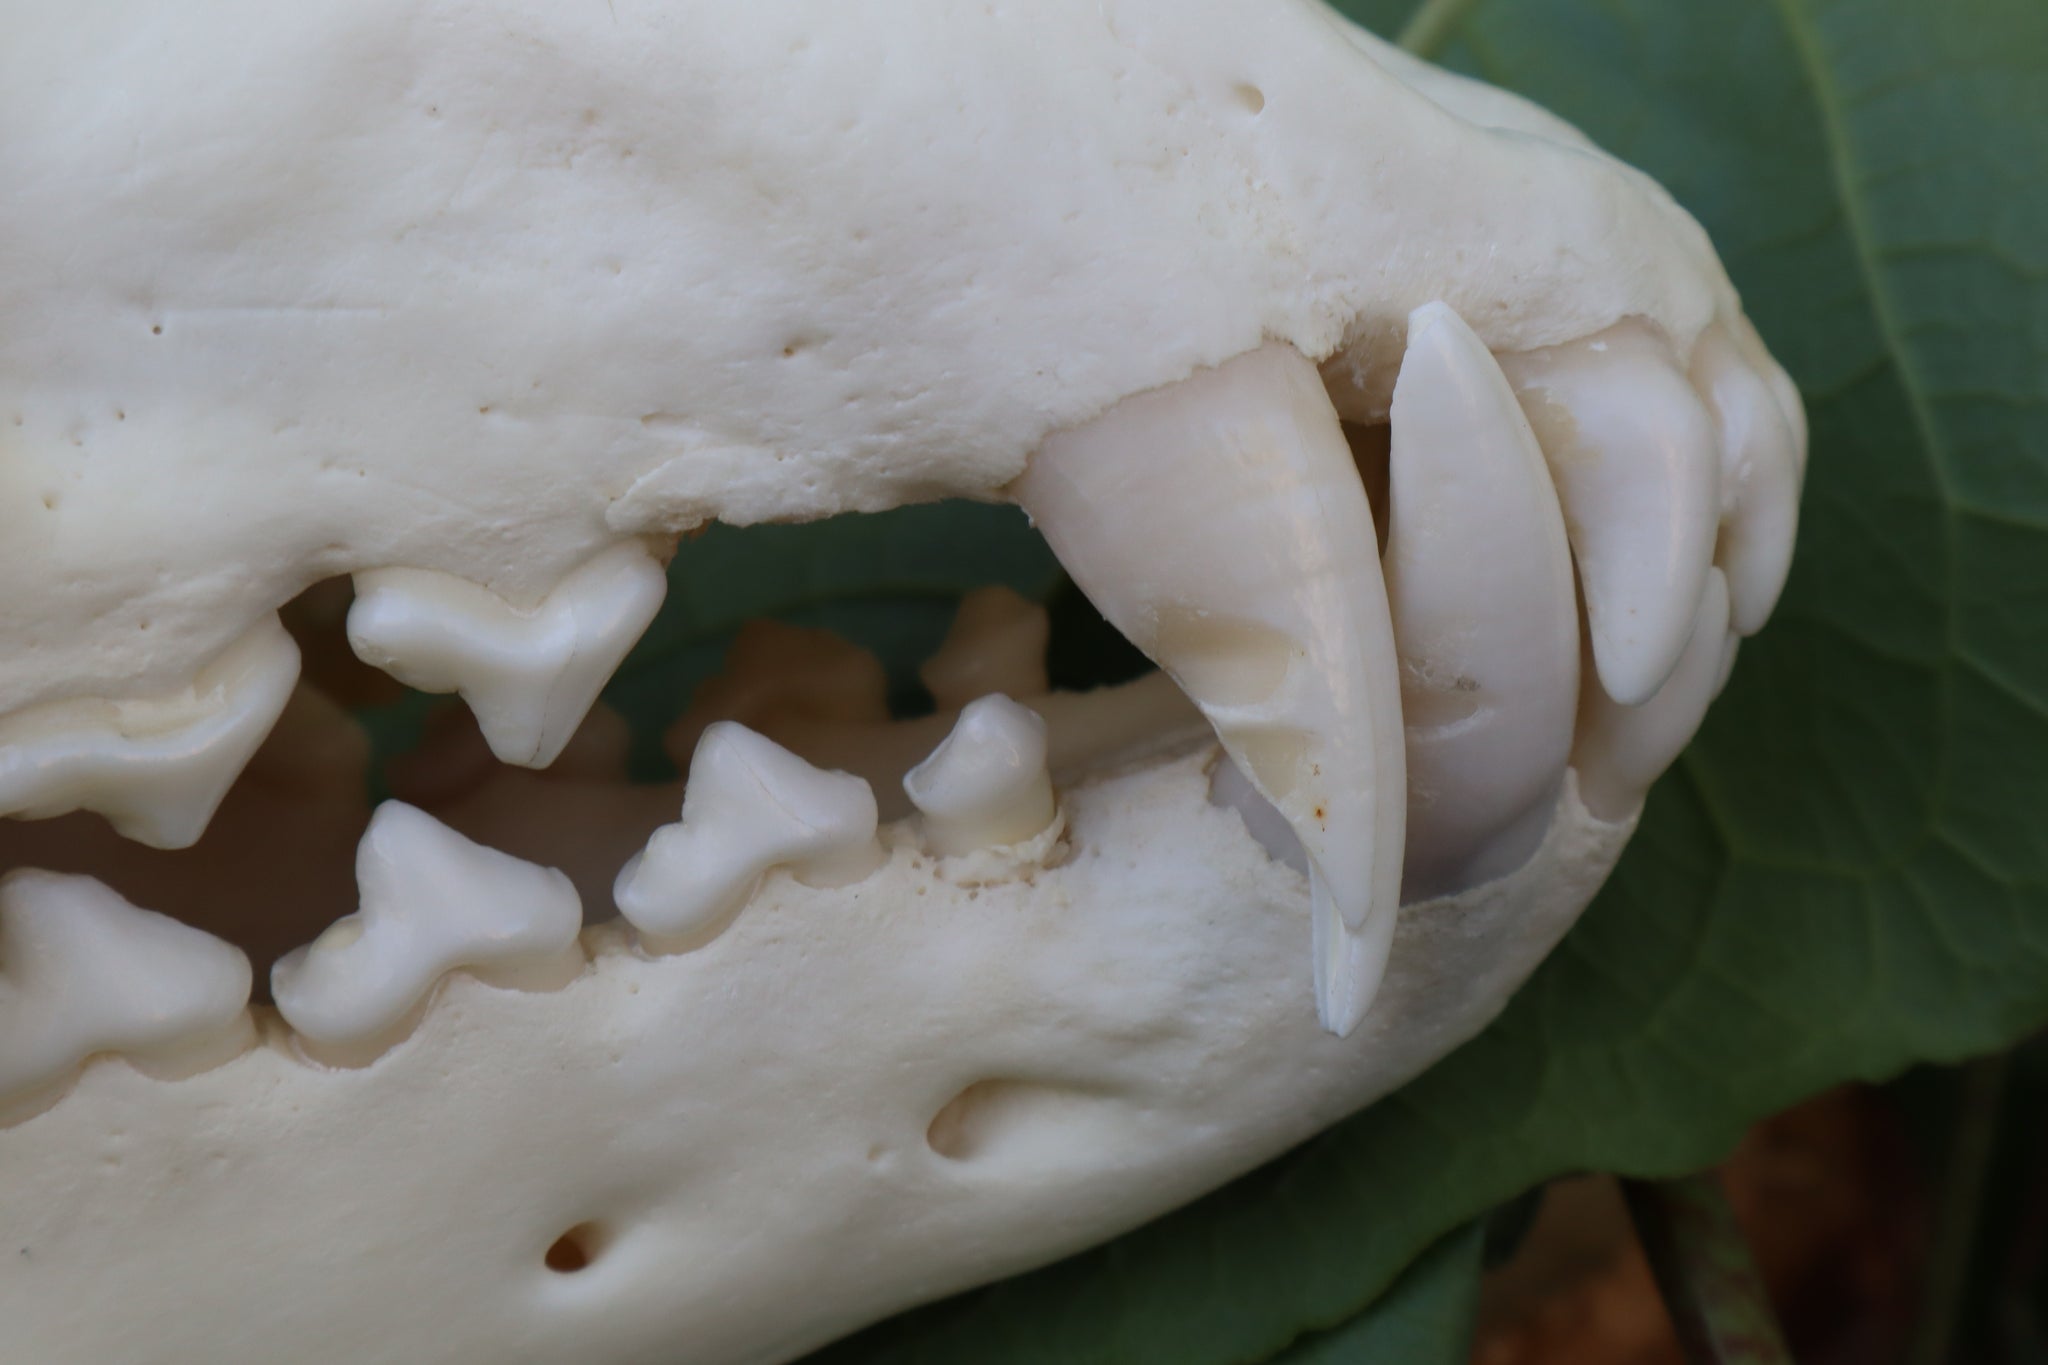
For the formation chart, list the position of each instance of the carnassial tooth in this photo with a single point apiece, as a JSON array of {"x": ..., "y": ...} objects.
[
  {"x": 1485, "y": 617},
  {"x": 529, "y": 675},
  {"x": 750, "y": 805},
  {"x": 431, "y": 902},
  {"x": 986, "y": 785},
  {"x": 156, "y": 767},
  {"x": 995, "y": 644},
  {"x": 1634, "y": 456},
  {"x": 82, "y": 971},
  {"x": 1621, "y": 750},
  {"x": 1220, "y": 524},
  {"x": 1759, "y": 478}
]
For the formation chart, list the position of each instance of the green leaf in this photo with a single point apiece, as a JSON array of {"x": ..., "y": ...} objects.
[{"x": 1424, "y": 1318}]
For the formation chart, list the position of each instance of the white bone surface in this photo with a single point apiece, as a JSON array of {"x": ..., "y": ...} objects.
[{"x": 986, "y": 784}]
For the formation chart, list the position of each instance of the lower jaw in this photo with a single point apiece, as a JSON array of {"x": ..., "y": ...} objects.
[{"x": 853, "y": 1100}]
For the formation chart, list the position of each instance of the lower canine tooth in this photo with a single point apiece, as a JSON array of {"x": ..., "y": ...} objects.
[
  {"x": 1759, "y": 479},
  {"x": 996, "y": 644},
  {"x": 986, "y": 784},
  {"x": 751, "y": 805},
  {"x": 1220, "y": 524},
  {"x": 158, "y": 767},
  {"x": 529, "y": 675},
  {"x": 432, "y": 902},
  {"x": 1485, "y": 617},
  {"x": 1634, "y": 457},
  {"x": 82, "y": 971}
]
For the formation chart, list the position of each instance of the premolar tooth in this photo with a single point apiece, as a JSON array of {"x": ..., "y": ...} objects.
[
  {"x": 1220, "y": 524},
  {"x": 1480, "y": 580},
  {"x": 775, "y": 674},
  {"x": 82, "y": 971},
  {"x": 1621, "y": 750},
  {"x": 431, "y": 902},
  {"x": 1633, "y": 454},
  {"x": 157, "y": 767},
  {"x": 1759, "y": 478},
  {"x": 751, "y": 805},
  {"x": 986, "y": 785},
  {"x": 529, "y": 675},
  {"x": 996, "y": 644}
]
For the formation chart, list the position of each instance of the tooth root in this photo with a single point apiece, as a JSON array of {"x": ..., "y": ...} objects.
[
  {"x": 1220, "y": 524},
  {"x": 1622, "y": 750},
  {"x": 1479, "y": 577},
  {"x": 1759, "y": 478},
  {"x": 529, "y": 675},
  {"x": 996, "y": 644},
  {"x": 1633, "y": 454},
  {"x": 82, "y": 971},
  {"x": 986, "y": 785},
  {"x": 431, "y": 902},
  {"x": 157, "y": 768},
  {"x": 751, "y": 805}
]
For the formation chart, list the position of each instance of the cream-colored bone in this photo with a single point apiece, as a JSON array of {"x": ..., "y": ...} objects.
[
  {"x": 1635, "y": 459},
  {"x": 1486, "y": 618},
  {"x": 1759, "y": 478},
  {"x": 1221, "y": 526},
  {"x": 995, "y": 644},
  {"x": 530, "y": 675},
  {"x": 82, "y": 971},
  {"x": 751, "y": 805},
  {"x": 986, "y": 785},
  {"x": 156, "y": 767},
  {"x": 431, "y": 902}
]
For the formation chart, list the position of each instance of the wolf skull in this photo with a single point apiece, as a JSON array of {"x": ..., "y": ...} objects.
[{"x": 1423, "y": 446}]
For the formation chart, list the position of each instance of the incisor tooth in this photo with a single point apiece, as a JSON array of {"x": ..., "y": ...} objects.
[
  {"x": 751, "y": 805},
  {"x": 529, "y": 675},
  {"x": 1621, "y": 750},
  {"x": 1759, "y": 478},
  {"x": 995, "y": 644},
  {"x": 1480, "y": 581},
  {"x": 156, "y": 767},
  {"x": 1220, "y": 524},
  {"x": 82, "y": 971},
  {"x": 431, "y": 902},
  {"x": 1633, "y": 454},
  {"x": 986, "y": 784}
]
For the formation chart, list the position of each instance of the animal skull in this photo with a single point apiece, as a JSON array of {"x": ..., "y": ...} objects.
[{"x": 484, "y": 305}]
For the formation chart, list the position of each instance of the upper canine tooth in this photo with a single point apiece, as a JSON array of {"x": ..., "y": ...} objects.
[
  {"x": 1220, "y": 524},
  {"x": 986, "y": 784},
  {"x": 1621, "y": 750},
  {"x": 996, "y": 644},
  {"x": 529, "y": 675},
  {"x": 1480, "y": 579},
  {"x": 750, "y": 805},
  {"x": 82, "y": 971},
  {"x": 156, "y": 767},
  {"x": 1633, "y": 454},
  {"x": 431, "y": 901},
  {"x": 1759, "y": 478}
]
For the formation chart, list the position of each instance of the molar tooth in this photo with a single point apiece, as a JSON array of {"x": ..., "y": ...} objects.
[
  {"x": 751, "y": 805},
  {"x": 1480, "y": 580},
  {"x": 1759, "y": 478},
  {"x": 1221, "y": 525},
  {"x": 156, "y": 767},
  {"x": 431, "y": 902},
  {"x": 986, "y": 785},
  {"x": 83, "y": 971},
  {"x": 1621, "y": 750},
  {"x": 1633, "y": 453},
  {"x": 529, "y": 675},
  {"x": 996, "y": 644}
]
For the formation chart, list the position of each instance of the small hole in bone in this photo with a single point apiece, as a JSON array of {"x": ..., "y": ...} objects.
[
  {"x": 1251, "y": 97},
  {"x": 576, "y": 1249},
  {"x": 1017, "y": 1120}
]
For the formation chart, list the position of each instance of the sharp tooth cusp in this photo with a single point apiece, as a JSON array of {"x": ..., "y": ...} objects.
[{"x": 986, "y": 784}]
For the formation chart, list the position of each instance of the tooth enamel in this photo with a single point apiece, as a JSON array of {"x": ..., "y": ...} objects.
[
  {"x": 431, "y": 902},
  {"x": 996, "y": 644},
  {"x": 1220, "y": 524},
  {"x": 1622, "y": 750},
  {"x": 1479, "y": 577},
  {"x": 986, "y": 785},
  {"x": 751, "y": 805},
  {"x": 156, "y": 767},
  {"x": 82, "y": 971},
  {"x": 1759, "y": 478},
  {"x": 529, "y": 675},
  {"x": 1633, "y": 454}
]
